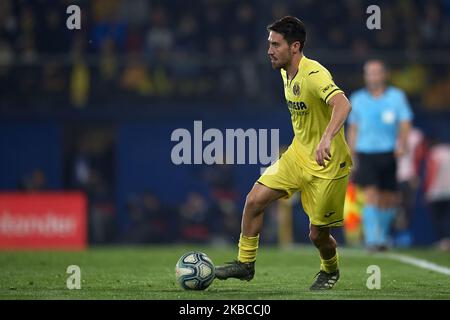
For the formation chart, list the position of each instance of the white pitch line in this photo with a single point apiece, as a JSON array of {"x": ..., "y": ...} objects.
[{"x": 421, "y": 263}]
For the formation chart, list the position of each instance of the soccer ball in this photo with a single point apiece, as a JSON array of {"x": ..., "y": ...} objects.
[{"x": 194, "y": 271}]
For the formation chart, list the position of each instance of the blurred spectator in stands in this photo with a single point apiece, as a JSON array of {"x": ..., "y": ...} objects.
[
  {"x": 244, "y": 26},
  {"x": 93, "y": 149},
  {"x": 101, "y": 209},
  {"x": 213, "y": 21},
  {"x": 162, "y": 81},
  {"x": 227, "y": 220},
  {"x": 135, "y": 40},
  {"x": 201, "y": 54},
  {"x": 436, "y": 97},
  {"x": 158, "y": 217},
  {"x": 36, "y": 181},
  {"x": 159, "y": 38},
  {"x": 52, "y": 36},
  {"x": 80, "y": 78},
  {"x": 108, "y": 24},
  {"x": 109, "y": 63},
  {"x": 432, "y": 26},
  {"x": 186, "y": 33},
  {"x": 107, "y": 72},
  {"x": 7, "y": 87},
  {"x": 401, "y": 77},
  {"x": 279, "y": 10},
  {"x": 28, "y": 81},
  {"x": 137, "y": 229},
  {"x": 136, "y": 77},
  {"x": 215, "y": 49},
  {"x": 389, "y": 37},
  {"x": 408, "y": 28},
  {"x": 185, "y": 71},
  {"x": 195, "y": 219},
  {"x": 408, "y": 182},
  {"x": 90, "y": 169},
  {"x": 54, "y": 80},
  {"x": 81, "y": 165},
  {"x": 150, "y": 220},
  {"x": 134, "y": 12},
  {"x": 437, "y": 190},
  {"x": 360, "y": 48},
  {"x": 27, "y": 21},
  {"x": 9, "y": 26},
  {"x": 221, "y": 181}
]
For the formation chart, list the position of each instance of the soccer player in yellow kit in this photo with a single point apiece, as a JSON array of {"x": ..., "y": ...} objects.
[{"x": 317, "y": 163}]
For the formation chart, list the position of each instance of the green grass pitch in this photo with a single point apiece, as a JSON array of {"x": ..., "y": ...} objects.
[{"x": 148, "y": 273}]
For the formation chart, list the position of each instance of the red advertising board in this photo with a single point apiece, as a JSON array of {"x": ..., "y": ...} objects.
[{"x": 43, "y": 220}]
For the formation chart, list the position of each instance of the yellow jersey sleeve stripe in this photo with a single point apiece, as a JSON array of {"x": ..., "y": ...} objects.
[{"x": 332, "y": 93}]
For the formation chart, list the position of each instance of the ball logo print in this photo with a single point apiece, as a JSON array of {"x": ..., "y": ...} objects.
[{"x": 194, "y": 271}]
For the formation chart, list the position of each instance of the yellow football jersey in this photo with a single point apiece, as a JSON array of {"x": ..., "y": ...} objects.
[{"x": 307, "y": 95}]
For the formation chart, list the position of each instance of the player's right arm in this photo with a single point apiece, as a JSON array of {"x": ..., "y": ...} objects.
[
  {"x": 352, "y": 126},
  {"x": 323, "y": 87},
  {"x": 341, "y": 108}
]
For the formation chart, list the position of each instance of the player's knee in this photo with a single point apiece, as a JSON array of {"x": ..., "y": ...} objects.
[
  {"x": 314, "y": 236},
  {"x": 320, "y": 239}
]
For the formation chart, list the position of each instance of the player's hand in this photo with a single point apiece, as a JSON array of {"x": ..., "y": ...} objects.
[{"x": 323, "y": 151}]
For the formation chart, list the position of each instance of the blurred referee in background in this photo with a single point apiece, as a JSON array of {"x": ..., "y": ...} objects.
[{"x": 378, "y": 129}]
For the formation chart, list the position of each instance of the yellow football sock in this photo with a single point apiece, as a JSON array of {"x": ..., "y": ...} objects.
[
  {"x": 330, "y": 265},
  {"x": 248, "y": 246}
]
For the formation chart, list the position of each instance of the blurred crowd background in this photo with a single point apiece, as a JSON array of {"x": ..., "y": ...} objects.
[
  {"x": 139, "y": 51},
  {"x": 91, "y": 109}
]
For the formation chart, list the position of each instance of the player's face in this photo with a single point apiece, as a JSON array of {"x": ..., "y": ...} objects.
[
  {"x": 374, "y": 74},
  {"x": 279, "y": 50}
]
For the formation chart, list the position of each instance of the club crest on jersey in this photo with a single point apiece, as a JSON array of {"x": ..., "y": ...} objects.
[{"x": 296, "y": 89}]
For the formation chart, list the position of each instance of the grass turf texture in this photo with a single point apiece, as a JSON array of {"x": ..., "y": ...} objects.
[{"x": 148, "y": 273}]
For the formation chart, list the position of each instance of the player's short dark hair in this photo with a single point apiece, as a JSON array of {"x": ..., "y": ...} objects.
[{"x": 292, "y": 29}]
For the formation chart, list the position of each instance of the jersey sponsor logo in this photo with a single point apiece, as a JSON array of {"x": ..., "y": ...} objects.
[
  {"x": 296, "y": 105},
  {"x": 298, "y": 108},
  {"x": 296, "y": 89}
]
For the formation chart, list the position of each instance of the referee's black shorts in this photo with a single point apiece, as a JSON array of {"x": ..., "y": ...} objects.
[{"x": 377, "y": 169}]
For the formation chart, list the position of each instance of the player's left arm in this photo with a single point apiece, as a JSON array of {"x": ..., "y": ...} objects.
[{"x": 341, "y": 108}]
